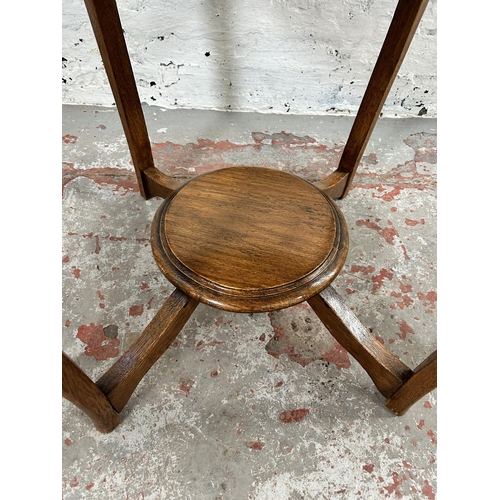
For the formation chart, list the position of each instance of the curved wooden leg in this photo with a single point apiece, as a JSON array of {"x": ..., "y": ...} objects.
[
  {"x": 120, "y": 381},
  {"x": 423, "y": 381},
  {"x": 83, "y": 393},
  {"x": 396, "y": 381}
]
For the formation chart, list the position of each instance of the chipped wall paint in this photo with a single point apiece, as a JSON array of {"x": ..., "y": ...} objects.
[{"x": 278, "y": 56}]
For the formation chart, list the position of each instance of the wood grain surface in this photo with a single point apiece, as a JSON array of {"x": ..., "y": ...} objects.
[
  {"x": 79, "y": 389},
  {"x": 249, "y": 239},
  {"x": 422, "y": 381},
  {"x": 386, "y": 370},
  {"x": 120, "y": 381}
]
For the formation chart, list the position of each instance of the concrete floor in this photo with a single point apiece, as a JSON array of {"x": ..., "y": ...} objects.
[{"x": 210, "y": 419}]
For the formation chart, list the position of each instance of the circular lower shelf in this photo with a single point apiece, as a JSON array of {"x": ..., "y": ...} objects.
[{"x": 249, "y": 239}]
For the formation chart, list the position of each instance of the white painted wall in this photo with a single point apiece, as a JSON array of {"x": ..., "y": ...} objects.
[{"x": 268, "y": 56}]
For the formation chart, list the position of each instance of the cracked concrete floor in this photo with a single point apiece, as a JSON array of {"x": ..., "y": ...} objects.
[{"x": 249, "y": 406}]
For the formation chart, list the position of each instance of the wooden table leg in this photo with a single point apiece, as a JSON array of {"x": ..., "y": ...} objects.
[
  {"x": 423, "y": 381},
  {"x": 391, "y": 376},
  {"x": 120, "y": 381},
  {"x": 83, "y": 393}
]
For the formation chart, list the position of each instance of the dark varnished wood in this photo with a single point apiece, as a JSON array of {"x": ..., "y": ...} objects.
[
  {"x": 83, "y": 393},
  {"x": 159, "y": 184},
  {"x": 249, "y": 239},
  {"x": 402, "y": 386},
  {"x": 405, "y": 21},
  {"x": 108, "y": 31},
  {"x": 386, "y": 370},
  {"x": 337, "y": 182},
  {"x": 120, "y": 381},
  {"x": 422, "y": 381}
]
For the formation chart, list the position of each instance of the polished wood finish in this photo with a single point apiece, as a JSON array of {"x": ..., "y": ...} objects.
[
  {"x": 386, "y": 370},
  {"x": 108, "y": 31},
  {"x": 403, "y": 26},
  {"x": 422, "y": 381},
  {"x": 402, "y": 386},
  {"x": 159, "y": 184},
  {"x": 83, "y": 393},
  {"x": 249, "y": 239},
  {"x": 120, "y": 381},
  {"x": 334, "y": 185}
]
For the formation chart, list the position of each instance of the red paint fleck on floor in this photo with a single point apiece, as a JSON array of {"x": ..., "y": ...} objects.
[
  {"x": 89, "y": 486},
  {"x": 97, "y": 245},
  {"x": 279, "y": 331},
  {"x": 404, "y": 328},
  {"x": 136, "y": 310},
  {"x": 68, "y": 442},
  {"x": 66, "y": 259},
  {"x": 427, "y": 405},
  {"x": 120, "y": 178},
  {"x": 144, "y": 286},
  {"x": 362, "y": 269},
  {"x": 206, "y": 155},
  {"x": 69, "y": 139},
  {"x": 429, "y": 300},
  {"x": 96, "y": 343},
  {"x": 76, "y": 272},
  {"x": 68, "y": 323},
  {"x": 279, "y": 384},
  {"x": 201, "y": 344},
  {"x": 186, "y": 385},
  {"x": 379, "y": 279},
  {"x": 214, "y": 373},
  {"x": 431, "y": 434},
  {"x": 100, "y": 294},
  {"x": 368, "y": 468},
  {"x": 406, "y": 301},
  {"x": 218, "y": 321},
  {"x": 428, "y": 491},
  {"x": 421, "y": 424},
  {"x": 368, "y": 224},
  {"x": 411, "y": 222},
  {"x": 338, "y": 356},
  {"x": 290, "y": 416},
  {"x": 388, "y": 233},
  {"x": 74, "y": 482},
  {"x": 396, "y": 481},
  {"x": 255, "y": 445},
  {"x": 396, "y": 191},
  {"x": 262, "y": 338}
]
